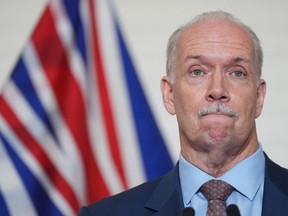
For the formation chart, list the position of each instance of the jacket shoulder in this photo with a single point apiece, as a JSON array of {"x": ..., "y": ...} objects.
[
  {"x": 275, "y": 197},
  {"x": 134, "y": 198},
  {"x": 130, "y": 202},
  {"x": 277, "y": 175}
]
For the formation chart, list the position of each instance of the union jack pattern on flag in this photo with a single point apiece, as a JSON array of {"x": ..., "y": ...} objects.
[{"x": 75, "y": 125}]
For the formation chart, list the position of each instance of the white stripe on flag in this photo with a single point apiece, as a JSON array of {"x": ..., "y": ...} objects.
[
  {"x": 118, "y": 90},
  {"x": 96, "y": 122}
]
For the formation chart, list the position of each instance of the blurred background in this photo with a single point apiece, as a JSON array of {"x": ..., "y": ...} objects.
[{"x": 147, "y": 26}]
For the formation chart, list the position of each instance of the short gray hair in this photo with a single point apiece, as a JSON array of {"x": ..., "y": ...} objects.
[{"x": 213, "y": 15}]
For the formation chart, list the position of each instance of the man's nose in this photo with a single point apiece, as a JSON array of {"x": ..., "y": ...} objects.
[{"x": 217, "y": 87}]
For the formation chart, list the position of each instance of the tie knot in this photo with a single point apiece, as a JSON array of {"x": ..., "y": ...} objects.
[{"x": 216, "y": 190}]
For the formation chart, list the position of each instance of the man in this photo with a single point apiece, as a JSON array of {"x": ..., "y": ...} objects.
[{"x": 214, "y": 87}]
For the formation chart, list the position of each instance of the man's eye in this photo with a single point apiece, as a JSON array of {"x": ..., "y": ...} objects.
[
  {"x": 197, "y": 72},
  {"x": 238, "y": 73}
]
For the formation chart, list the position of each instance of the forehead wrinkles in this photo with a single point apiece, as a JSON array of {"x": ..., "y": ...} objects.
[{"x": 209, "y": 37}]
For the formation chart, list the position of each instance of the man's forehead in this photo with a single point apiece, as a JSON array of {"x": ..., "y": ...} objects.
[
  {"x": 211, "y": 37},
  {"x": 215, "y": 30}
]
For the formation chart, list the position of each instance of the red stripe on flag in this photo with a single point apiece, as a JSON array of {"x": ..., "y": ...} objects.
[
  {"x": 104, "y": 97},
  {"x": 54, "y": 61},
  {"x": 39, "y": 154}
]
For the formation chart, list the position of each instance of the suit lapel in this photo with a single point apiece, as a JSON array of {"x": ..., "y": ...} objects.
[
  {"x": 275, "y": 198},
  {"x": 167, "y": 199}
]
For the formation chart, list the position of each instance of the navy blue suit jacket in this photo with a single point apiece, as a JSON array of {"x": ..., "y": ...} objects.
[{"x": 163, "y": 197}]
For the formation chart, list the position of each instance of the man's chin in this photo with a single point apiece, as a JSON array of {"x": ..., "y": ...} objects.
[{"x": 218, "y": 136}]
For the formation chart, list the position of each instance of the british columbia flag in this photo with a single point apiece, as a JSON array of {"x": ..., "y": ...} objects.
[{"x": 75, "y": 125}]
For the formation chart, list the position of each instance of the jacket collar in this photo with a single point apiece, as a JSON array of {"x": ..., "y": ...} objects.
[{"x": 167, "y": 197}]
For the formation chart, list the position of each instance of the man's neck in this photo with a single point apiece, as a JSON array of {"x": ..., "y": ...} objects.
[{"x": 218, "y": 162}]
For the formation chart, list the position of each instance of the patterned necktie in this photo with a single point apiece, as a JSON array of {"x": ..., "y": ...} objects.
[{"x": 216, "y": 192}]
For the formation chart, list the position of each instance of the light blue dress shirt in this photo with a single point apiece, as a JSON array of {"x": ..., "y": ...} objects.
[{"x": 247, "y": 178}]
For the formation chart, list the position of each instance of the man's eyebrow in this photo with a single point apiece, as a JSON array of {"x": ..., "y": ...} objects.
[
  {"x": 198, "y": 57},
  {"x": 239, "y": 59},
  {"x": 204, "y": 59}
]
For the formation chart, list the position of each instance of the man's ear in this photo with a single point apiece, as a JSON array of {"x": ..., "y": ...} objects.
[
  {"x": 261, "y": 92},
  {"x": 167, "y": 95}
]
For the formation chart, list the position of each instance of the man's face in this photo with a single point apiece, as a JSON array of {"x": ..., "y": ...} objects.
[{"x": 215, "y": 94}]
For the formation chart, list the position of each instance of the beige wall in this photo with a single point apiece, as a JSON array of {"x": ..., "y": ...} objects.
[{"x": 147, "y": 26}]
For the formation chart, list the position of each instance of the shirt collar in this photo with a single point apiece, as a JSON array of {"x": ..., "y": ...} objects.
[{"x": 250, "y": 171}]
